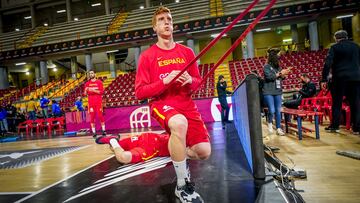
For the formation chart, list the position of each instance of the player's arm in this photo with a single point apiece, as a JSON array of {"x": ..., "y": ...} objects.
[
  {"x": 144, "y": 88},
  {"x": 121, "y": 154},
  {"x": 193, "y": 71}
]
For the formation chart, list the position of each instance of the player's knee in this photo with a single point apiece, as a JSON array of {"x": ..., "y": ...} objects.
[
  {"x": 178, "y": 125},
  {"x": 203, "y": 152},
  {"x": 181, "y": 128}
]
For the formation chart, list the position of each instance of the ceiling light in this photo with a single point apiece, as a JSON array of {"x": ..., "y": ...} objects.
[
  {"x": 20, "y": 64},
  {"x": 177, "y": 1},
  {"x": 345, "y": 16},
  {"x": 141, "y": 7},
  {"x": 17, "y": 29},
  {"x": 287, "y": 40},
  {"x": 27, "y": 17},
  {"x": 263, "y": 30},
  {"x": 45, "y": 24},
  {"x": 51, "y": 65},
  {"x": 76, "y": 19},
  {"x": 216, "y": 35},
  {"x": 96, "y": 4},
  {"x": 61, "y": 11},
  {"x": 54, "y": 69},
  {"x": 27, "y": 73},
  {"x": 112, "y": 51}
]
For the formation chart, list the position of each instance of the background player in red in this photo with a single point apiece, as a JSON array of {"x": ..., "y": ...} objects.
[
  {"x": 138, "y": 148},
  {"x": 172, "y": 106},
  {"x": 94, "y": 89}
]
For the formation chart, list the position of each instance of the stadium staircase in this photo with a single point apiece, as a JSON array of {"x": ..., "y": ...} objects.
[
  {"x": 216, "y": 8},
  {"x": 31, "y": 37},
  {"x": 116, "y": 23},
  {"x": 223, "y": 69}
]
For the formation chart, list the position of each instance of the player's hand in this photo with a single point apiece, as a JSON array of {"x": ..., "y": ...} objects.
[
  {"x": 185, "y": 78},
  {"x": 170, "y": 77}
]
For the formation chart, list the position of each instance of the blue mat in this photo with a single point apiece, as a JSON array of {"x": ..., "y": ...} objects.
[
  {"x": 9, "y": 139},
  {"x": 70, "y": 134}
]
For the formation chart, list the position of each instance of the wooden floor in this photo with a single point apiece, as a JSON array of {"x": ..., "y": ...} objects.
[
  {"x": 331, "y": 177},
  {"x": 38, "y": 176},
  {"x": 223, "y": 175}
]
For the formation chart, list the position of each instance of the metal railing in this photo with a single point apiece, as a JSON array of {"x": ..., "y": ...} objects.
[
  {"x": 62, "y": 91},
  {"x": 25, "y": 34}
]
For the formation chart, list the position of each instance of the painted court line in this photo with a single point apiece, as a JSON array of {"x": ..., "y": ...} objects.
[{"x": 35, "y": 193}]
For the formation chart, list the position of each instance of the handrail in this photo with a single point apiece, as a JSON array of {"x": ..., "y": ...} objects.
[
  {"x": 32, "y": 29},
  {"x": 62, "y": 89},
  {"x": 60, "y": 79},
  {"x": 111, "y": 21}
]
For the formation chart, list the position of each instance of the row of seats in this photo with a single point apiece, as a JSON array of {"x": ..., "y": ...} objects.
[
  {"x": 234, "y": 6},
  {"x": 309, "y": 62},
  {"x": 96, "y": 26},
  {"x": 139, "y": 18},
  {"x": 121, "y": 91},
  {"x": 68, "y": 101},
  {"x": 49, "y": 125}
]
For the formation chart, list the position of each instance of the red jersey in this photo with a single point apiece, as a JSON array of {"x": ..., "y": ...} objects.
[
  {"x": 94, "y": 98},
  {"x": 154, "y": 65},
  {"x": 152, "y": 144}
]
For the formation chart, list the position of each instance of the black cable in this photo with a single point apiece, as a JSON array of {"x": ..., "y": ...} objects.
[{"x": 285, "y": 182}]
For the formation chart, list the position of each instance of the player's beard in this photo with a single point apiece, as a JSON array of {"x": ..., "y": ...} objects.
[{"x": 92, "y": 77}]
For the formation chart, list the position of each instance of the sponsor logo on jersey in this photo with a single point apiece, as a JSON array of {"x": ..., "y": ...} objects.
[
  {"x": 167, "y": 62},
  {"x": 163, "y": 75},
  {"x": 167, "y": 108}
]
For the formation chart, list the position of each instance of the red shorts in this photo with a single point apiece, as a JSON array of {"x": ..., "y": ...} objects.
[
  {"x": 197, "y": 131},
  {"x": 95, "y": 107},
  {"x": 146, "y": 146}
]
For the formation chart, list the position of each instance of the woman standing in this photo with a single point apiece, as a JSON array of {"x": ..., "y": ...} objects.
[{"x": 272, "y": 90}]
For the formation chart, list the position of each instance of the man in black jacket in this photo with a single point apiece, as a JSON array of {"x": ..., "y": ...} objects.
[
  {"x": 308, "y": 90},
  {"x": 221, "y": 89},
  {"x": 11, "y": 117},
  {"x": 344, "y": 61}
]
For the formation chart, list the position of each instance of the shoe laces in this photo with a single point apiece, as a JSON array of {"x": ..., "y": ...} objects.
[{"x": 189, "y": 187}]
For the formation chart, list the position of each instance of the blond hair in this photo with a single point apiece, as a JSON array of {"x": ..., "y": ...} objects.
[{"x": 160, "y": 10}]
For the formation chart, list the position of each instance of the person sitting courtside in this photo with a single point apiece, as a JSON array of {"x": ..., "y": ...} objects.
[{"x": 308, "y": 90}]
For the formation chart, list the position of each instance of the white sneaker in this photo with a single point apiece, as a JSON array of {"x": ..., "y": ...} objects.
[
  {"x": 270, "y": 128},
  {"x": 187, "y": 193},
  {"x": 280, "y": 132}
]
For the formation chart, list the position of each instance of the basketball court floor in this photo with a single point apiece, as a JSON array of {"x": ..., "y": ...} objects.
[{"x": 75, "y": 169}]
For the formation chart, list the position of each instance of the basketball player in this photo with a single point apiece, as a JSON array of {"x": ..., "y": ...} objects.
[
  {"x": 95, "y": 89},
  {"x": 138, "y": 148},
  {"x": 172, "y": 106}
]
